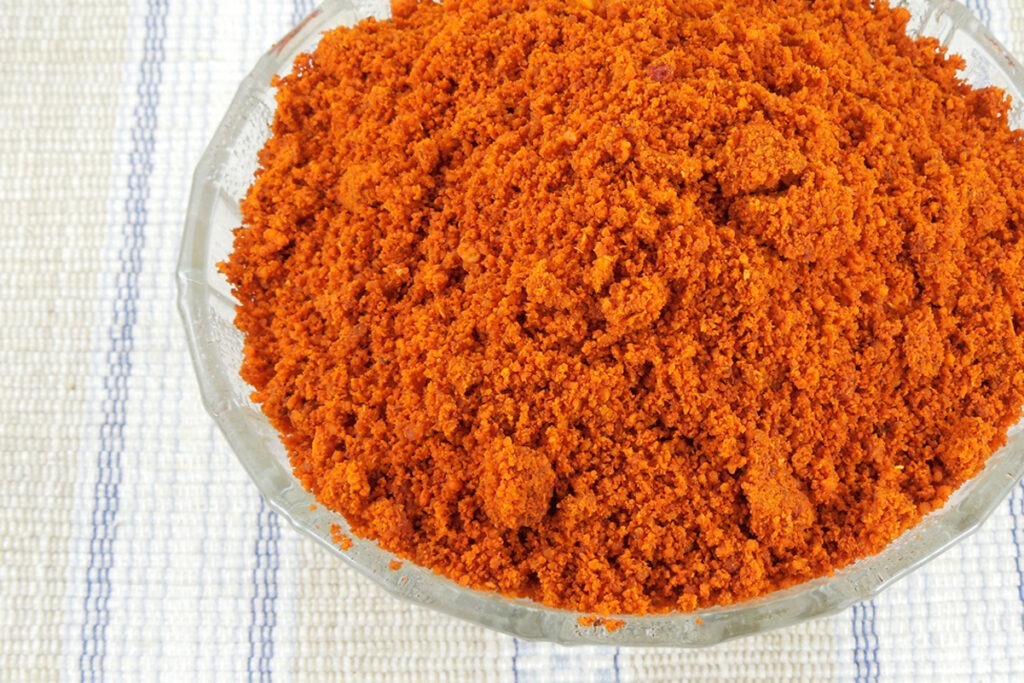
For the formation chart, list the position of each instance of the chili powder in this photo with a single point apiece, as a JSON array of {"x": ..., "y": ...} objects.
[{"x": 634, "y": 306}]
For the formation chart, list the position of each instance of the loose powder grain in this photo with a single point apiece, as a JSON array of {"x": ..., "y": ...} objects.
[{"x": 634, "y": 306}]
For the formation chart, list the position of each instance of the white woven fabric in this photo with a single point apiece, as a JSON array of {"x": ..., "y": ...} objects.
[{"x": 132, "y": 545}]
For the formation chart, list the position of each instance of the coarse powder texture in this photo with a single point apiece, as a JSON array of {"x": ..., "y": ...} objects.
[{"x": 634, "y": 306}]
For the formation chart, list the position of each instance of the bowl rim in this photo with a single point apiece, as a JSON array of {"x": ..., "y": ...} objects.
[{"x": 862, "y": 580}]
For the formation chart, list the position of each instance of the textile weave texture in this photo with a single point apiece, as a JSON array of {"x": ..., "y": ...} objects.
[{"x": 132, "y": 544}]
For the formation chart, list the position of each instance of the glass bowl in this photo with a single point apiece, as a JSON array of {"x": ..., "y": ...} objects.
[{"x": 207, "y": 308}]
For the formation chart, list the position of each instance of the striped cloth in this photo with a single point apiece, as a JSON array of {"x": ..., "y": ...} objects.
[{"x": 132, "y": 544}]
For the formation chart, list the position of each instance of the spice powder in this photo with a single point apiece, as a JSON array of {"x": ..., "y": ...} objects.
[{"x": 634, "y": 306}]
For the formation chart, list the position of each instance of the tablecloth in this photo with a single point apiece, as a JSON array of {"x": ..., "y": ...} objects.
[{"x": 132, "y": 544}]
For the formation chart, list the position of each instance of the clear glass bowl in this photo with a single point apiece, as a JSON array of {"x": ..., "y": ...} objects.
[{"x": 207, "y": 308}]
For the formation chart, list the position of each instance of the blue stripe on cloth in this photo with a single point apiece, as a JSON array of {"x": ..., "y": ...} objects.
[
  {"x": 858, "y": 642},
  {"x": 1017, "y": 513},
  {"x": 534, "y": 662},
  {"x": 263, "y": 607},
  {"x": 865, "y": 653},
  {"x": 300, "y": 10},
  {"x": 263, "y": 613},
  {"x": 515, "y": 660},
  {"x": 119, "y": 357},
  {"x": 981, "y": 11}
]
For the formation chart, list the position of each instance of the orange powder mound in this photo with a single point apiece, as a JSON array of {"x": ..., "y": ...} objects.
[{"x": 634, "y": 306}]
